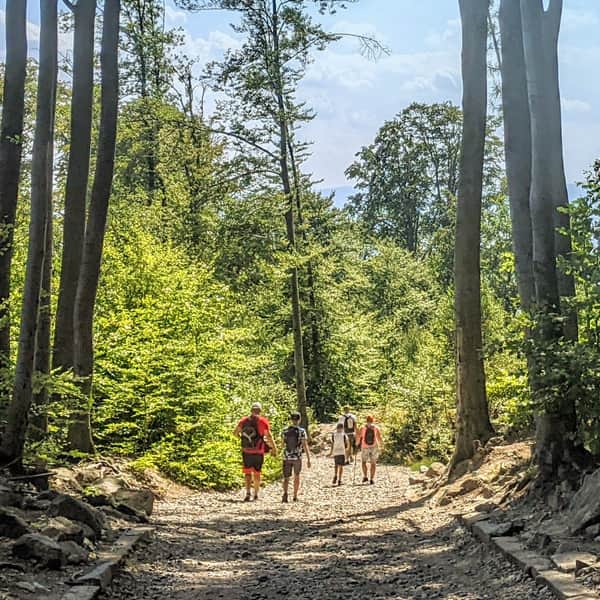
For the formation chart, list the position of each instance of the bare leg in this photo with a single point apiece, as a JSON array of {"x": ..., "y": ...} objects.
[
  {"x": 373, "y": 469},
  {"x": 296, "y": 486},
  {"x": 364, "y": 468},
  {"x": 286, "y": 484},
  {"x": 256, "y": 484},
  {"x": 248, "y": 482}
]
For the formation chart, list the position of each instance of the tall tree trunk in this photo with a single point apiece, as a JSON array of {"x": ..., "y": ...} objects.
[
  {"x": 517, "y": 144},
  {"x": 80, "y": 433},
  {"x": 473, "y": 422},
  {"x": 39, "y": 418},
  {"x": 299, "y": 371},
  {"x": 566, "y": 283},
  {"x": 18, "y": 412},
  {"x": 11, "y": 132},
  {"x": 77, "y": 179},
  {"x": 556, "y": 425},
  {"x": 314, "y": 358}
]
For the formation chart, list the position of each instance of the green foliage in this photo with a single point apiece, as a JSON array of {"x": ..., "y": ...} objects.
[
  {"x": 192, "y": 323},
  {"x": 178, "y": 359}
]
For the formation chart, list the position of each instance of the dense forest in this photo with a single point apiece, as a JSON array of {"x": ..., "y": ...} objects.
[{"x": 164, "y": 265}]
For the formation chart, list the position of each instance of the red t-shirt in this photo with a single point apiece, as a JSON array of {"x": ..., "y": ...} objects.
[{"x": 262, "y": 427}]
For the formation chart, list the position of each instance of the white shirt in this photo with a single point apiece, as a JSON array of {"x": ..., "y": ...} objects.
[
  {"x": 343, "y": 418},
  {"x": 339, "y": 443}
]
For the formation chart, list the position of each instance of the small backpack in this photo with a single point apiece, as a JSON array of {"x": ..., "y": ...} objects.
[
  {"x": 292, "y": 440},
  {"x": 249, "y": 434},
  {"x": 349, "y": 424},
  {"x": 369, "y": 435}
]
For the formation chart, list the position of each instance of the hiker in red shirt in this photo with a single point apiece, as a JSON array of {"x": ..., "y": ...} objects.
[
  {"x": 255, "y": 435},
  {"x": 370, "y": 443}
]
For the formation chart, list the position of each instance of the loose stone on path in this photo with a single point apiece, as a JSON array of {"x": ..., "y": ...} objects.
[{"x": 348, "y": 542}]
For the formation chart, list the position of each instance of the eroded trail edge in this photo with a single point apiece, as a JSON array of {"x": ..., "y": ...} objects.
[{"x": 352, "y": 541}]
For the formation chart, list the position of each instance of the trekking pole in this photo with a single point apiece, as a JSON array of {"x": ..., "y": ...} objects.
[
  {"x": 354, "y": 470},
  {"x": 387, "y": 474}
]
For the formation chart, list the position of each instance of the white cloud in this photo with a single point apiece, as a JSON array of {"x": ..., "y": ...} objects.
[
  {"x": 576, "y": 106},
  {"x": 174, "y": 16},
  {"x": 449, "y": 35},
  {"x": 211, "y": 47}
]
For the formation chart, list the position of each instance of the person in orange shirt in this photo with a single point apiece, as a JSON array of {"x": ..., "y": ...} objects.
[{"x": 370, "y": 443}]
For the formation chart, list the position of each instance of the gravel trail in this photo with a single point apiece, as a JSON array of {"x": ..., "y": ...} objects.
[{"x": 351, "y": 542}]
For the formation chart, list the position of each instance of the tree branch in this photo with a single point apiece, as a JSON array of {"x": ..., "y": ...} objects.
[{"x": 241, "y": 138}]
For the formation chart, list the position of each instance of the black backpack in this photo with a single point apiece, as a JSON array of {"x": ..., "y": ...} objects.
[
  {"x": 370, "y": 435},
  {"x": 349, "y": 424},
  {"x": 292, "y": 440},
  {"x": 249, "y": 434}
]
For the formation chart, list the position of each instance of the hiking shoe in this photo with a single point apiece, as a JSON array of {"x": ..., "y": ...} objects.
[
  {"x": 365, "y": 480},
  {"x": 340, "y": 482},
  {"x": 285, "y": 498},
  {"x": 247, "y": 498},
  {"x": 255, "y": 498},
  {"x": 295, "y": 499},
  {"x": 372, "y": 481},
  {"x": 334, "y": 480}
]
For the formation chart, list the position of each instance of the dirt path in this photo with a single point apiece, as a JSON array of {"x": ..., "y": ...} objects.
[{"x": 349, "y": 542}]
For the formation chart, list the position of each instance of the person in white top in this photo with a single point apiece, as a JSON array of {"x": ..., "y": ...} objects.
[
  {"x": 350, "y": 423},
  {"x": 339, "y": 450}
]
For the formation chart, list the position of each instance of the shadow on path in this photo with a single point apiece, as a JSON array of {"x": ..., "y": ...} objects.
[{"x": 351, "y": 543}]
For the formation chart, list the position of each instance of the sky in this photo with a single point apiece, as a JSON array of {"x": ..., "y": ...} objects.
[{"x": 353, "y": 95}]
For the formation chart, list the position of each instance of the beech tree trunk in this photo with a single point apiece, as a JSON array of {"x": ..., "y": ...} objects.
[
  {"x": 77, "y": 180},
  {"x": 555, "y": 425},
  {"x": 18, "y": 412},
  {"x": 312, "y": 358},
  {"x": 473, "y": 421},
  {"x": 39, "y": 418},
  {"x": 299, "y": 370},
  {"x": 80, "y": 432},
  {"x": 517, "y": 145},
  {"x": 11, "y": 130},
  {"x": 566, "y": 283}
]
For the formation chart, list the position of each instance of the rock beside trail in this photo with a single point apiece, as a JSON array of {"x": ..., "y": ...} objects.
[
  {"x": 8, "y": 497},
  {"x": 62, "y": 529},
  {"x": 584, "y": 509},
  {"x": 112, "y": 491},
  {"x": 40, "y": 548},
  {"x": 75, "y": 554},
  {"x": 76, "y": 510},
  {"x": 11, "y": 524}
]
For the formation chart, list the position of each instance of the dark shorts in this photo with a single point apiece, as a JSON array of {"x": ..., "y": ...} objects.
[
  {"x": 352, "y": 440},
  {"x": 252, "y": 462},
  {"x": 290, "y": 466},
  {"x": 339, "y": 460}
]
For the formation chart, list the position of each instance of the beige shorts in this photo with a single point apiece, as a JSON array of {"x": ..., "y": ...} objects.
[{"x": 369, "y": 455}]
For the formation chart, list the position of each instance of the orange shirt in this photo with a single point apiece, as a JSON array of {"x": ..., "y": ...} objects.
[{"x": 376, "y": 438}]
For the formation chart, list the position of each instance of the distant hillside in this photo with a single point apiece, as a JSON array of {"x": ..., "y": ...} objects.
[{"x": 344, "y": 192}]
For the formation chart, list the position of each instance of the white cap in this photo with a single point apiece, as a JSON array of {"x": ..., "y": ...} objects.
[{"x": 257, "y": 406}]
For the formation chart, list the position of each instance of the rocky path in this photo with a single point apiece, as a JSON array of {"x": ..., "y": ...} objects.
[{"x": 347, "y": 542}]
